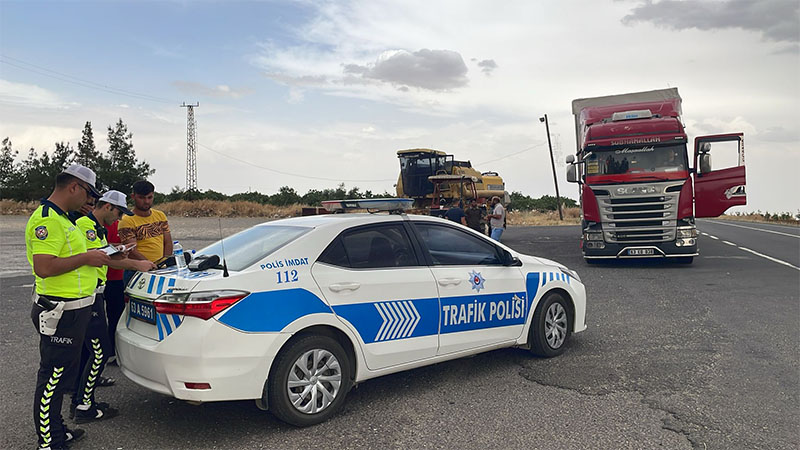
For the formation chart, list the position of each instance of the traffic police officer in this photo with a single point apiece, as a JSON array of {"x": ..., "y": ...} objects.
[
  {"x": 109, "y": 209},
  {"x": 65, "y": 279}
]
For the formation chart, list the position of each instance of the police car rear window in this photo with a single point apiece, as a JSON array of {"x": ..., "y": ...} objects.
[{"x": 247, "y": 247}]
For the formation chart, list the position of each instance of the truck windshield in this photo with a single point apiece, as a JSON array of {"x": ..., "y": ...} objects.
[{"x": 645, "y": 159}]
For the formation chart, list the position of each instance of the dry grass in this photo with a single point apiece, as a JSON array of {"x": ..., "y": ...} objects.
[
  {"x": 572, "y": 216},
  {"x": 12, "y": 207},
  {"x": 219, "y": 208},
  {"x": 754, "y": 217}
]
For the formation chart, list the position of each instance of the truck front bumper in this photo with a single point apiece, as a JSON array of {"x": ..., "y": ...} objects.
[{"x": 639, "y": 250}]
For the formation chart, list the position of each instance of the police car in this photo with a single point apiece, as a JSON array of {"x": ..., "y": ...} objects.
[{"x": 304, "y": 308}]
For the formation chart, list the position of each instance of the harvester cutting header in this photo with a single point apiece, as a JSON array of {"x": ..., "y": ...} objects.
[{"x": 432, "y": 177}]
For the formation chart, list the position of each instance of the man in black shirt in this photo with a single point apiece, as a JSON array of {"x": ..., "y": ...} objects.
[{"x": 456, "y": 214}]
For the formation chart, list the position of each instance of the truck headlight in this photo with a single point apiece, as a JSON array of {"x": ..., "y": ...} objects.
[
  {"x": 592, "y": 236},
  {"x": 687, "y": 232}
]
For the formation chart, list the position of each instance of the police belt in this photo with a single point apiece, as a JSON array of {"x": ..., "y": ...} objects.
[
  {"x": 69, "y": 303},
  {"x": 100, "y": 289}
]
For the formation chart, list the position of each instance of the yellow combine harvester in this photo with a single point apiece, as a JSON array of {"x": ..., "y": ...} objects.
[{"x": 433, "y": 178}]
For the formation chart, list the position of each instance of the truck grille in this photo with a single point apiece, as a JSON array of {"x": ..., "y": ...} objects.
[{"x": 628, "y": 217}]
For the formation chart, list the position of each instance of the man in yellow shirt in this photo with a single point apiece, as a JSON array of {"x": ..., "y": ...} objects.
[
  {"x": 65, "y": 280},
  {"x": 148, "y": 227}
]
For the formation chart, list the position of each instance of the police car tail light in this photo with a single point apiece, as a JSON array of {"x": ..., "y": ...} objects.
[{"x": 204, "y": 305}]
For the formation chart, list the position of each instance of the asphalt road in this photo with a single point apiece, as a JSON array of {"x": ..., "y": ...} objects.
[{"x": 675, "y": 356}]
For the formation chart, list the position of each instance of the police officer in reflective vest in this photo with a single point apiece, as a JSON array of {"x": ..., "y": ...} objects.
[
  {"x": 109, "y": 209},
  {"x": 66, "y": 277}
]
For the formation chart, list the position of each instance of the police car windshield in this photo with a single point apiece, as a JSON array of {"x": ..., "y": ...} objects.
[{"x": 247, "y": 247}]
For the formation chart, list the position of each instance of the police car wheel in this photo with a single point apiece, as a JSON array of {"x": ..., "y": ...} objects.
[
  {"x": 550, "y": 328},
  {"x": 310, "y": 380}
]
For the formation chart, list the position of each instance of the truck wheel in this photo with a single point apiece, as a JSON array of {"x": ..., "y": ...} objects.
[
  {"x": 309, "y": 381},
  {"x": 550, "y": 328}
]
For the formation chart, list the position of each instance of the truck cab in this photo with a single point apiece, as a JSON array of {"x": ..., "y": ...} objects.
[{"x": 640, "y": 193}]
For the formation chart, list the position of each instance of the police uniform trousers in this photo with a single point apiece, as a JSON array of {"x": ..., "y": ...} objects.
[
  {"x": 93, "y": 357},
  {"x": 58, "y": 368}
]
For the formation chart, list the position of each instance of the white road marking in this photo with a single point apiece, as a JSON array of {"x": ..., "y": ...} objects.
[
  {"x": 770, "y": 258},
  {"x": 730, "y": 243},
  {"x": 713, "y": 237},
  {"x": 756, "y": 229}
]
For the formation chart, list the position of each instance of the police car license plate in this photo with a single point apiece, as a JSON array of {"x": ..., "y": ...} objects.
[
  {"x": 640, "y": 251},
  {"x": 142, "y": 311}
]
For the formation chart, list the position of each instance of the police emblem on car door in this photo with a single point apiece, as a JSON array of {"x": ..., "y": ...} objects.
[{"x": 483, "y": 302}]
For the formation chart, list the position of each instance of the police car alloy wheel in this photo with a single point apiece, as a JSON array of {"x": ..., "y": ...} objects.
[
  {"x": 310, "y": 381},
  {"x": 550, "y": 328}
]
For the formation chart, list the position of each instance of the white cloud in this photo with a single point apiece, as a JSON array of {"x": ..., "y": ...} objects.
[
  {"x": 219, "y": 91},
  {"x": 29, "y": 95}
]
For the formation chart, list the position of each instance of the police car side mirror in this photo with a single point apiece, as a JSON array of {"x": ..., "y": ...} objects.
[{"x": 510, "y": 260}]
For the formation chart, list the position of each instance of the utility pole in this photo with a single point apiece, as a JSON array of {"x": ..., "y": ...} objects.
[
  {"x": 553, "y": 164},
  {"x": 191, "y": 137}
]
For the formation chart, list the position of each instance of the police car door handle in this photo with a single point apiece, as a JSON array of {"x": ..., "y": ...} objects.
[
  {"x": 338, "y": 287},
  {"x": 449, "y": 281}
]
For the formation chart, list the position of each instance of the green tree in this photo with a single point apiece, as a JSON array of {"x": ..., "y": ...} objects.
[
  {"x": 285, "y": 196},
  {"x": 10, "y": 177},
  {"x": 120, "y": 168},
  {"x": 87, "y": 154}
]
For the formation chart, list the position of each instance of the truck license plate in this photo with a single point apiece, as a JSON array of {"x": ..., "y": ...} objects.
[{"x": 640, "y": 251}]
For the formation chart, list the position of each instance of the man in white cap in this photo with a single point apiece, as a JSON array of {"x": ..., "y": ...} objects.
[
  {"x": 65, "y": 279},
  {"x": 97, "y": 346}
]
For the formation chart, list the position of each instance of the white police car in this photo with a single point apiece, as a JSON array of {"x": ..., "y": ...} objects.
[{"x": 315, "y": 304}]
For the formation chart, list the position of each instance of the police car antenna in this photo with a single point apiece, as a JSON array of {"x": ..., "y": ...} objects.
[{"x": 222, "y": 243}]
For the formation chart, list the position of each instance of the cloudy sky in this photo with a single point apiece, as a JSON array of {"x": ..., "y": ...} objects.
[{"x": 309, "y": 94}]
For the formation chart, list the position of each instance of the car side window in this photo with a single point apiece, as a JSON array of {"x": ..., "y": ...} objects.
[
  {"x": 381, "y": 246},
  {"x": 449, "y": 246},
  {"x": 335, "y": 254}
]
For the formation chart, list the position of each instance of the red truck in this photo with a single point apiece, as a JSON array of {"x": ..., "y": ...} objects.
[{"x": 639, "y": 194}]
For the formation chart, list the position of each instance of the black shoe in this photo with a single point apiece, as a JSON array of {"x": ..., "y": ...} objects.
[
  {"x": 105, "y": 381},
  {"x": 96, "y": 413},
  {"x": 71, "y": 436},
  {"x": 73, "y": 407}
]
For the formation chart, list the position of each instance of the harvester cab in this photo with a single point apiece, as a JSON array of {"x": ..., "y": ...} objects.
[{"x": 421, "y": 171}]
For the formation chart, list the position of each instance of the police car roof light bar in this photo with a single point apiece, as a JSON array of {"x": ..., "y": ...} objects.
[{"x": 391, "y": 205}]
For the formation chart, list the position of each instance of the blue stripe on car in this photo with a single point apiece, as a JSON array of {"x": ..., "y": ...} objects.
[
  {"x": 392, "y": 320},
  {"x": 271, "y": 311}
]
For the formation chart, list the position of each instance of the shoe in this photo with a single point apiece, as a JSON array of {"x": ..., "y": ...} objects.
[
  {"x": 73, "y": 407},
  {"x": 106, "y": 381},
  {"x": 97, "y": 412},
  {"x": 71, "y": 436}
]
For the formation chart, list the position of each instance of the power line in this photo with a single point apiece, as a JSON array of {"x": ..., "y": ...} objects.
[
  {"x": 20, "y": 64},
  {"x": 511, "y": 154},
  {"x": 288, "y": 173}
]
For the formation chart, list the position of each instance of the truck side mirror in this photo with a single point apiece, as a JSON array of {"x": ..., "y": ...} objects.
[
  {"x": 572, "y": 174},
  {"x": 570, "y": 159},
  {"x": 705, "y": 162}
]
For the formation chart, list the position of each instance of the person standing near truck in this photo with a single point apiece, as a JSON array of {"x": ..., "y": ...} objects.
[
  {"x": 65, "y": 280},
  {"x": 497, "y": 219},
  {"x": 474, "y": 216}
]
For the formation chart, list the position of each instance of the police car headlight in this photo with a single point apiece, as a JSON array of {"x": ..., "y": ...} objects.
[{"x": 570, "y": 272}]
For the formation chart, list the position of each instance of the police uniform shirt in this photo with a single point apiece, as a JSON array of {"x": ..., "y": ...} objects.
[
  {"x": 95, "y": 238},
  {"x": 50, "y": 232}
]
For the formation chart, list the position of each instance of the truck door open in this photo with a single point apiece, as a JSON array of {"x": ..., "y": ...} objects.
[{"x": 717, "y": 188}]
